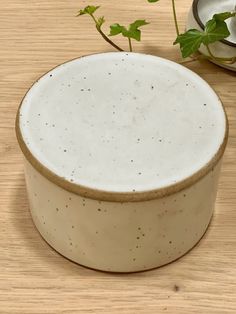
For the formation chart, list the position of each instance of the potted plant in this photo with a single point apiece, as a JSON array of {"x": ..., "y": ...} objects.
[{"x": 205, "y": 33}]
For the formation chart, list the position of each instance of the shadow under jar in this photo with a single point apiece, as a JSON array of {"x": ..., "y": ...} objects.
[{"x": 122, "y": 159}]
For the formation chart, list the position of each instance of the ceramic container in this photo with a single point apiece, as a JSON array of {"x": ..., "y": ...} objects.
[
  {"x": 202, "y": 11},
  {"x": 122, "y": 159}
]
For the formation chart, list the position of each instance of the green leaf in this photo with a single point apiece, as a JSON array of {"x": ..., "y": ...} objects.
[
  {"x": 224, "y": 16},
  {"x": 132, "y": 32},
  {"x": 116, "y": 29},
  {"x": 101, "y": 20},
  {"x": 189, "y": 42},
  {"x": 215, "y": 29},
  {"x": 153, "y": 1},
  {"x": 137, "y": 23},
  {"x": 90, "y": 9}
]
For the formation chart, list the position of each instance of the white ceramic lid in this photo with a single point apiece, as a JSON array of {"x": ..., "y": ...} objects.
[
  {"x": 205, "y": 9},
  {"x": 121, "y": 123}
]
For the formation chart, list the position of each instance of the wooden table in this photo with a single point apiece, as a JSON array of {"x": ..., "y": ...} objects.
[{"x": 35, "y": 36}]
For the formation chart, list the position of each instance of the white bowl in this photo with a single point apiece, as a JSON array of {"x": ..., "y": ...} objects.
[
  {"x": 123, "y": 154},
  {"x": 202, "y": 11}
]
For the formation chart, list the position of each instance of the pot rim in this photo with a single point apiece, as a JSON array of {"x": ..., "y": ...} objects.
[
  {"x": 113, "y": 196},
  {"x": 199, "y": 21}
]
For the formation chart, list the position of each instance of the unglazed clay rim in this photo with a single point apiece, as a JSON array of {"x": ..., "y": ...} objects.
[
  {"x": 113, "y": 196},
  {"x": 199, "y": 21}
]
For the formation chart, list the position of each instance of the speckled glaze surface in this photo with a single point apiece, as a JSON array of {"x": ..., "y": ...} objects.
[
  {"x": 123, "y": 155},
  {"x": 202, "y": 11},
  {"x": 121, "y": 237}
]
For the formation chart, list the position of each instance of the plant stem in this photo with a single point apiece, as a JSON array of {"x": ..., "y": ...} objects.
[
  {"x": 130, "y": 44},
  {"x": 98, "y": 27},
  {"x": 175, "y": 17},
  {"x": 219, "y": 59},
  {"x": 108, "y": 40},
  {"x": 209, "y": 51},
  {"x": 193, "y": 59}
]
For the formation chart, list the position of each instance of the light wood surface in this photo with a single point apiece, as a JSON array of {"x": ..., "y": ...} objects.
[{"x": 35, "y": 36}]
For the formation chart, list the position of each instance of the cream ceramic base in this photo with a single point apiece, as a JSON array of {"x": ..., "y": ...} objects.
[{"x": 121, "y": 237}]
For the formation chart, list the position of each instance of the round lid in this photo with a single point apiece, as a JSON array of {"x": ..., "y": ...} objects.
[
  {"x": 204, "y": 10},
  {"x": 122, "y": 126}
]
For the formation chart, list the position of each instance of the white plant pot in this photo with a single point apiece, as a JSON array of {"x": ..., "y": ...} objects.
[
  {"x": 122, "y": 159},
  {"x": 202, "y": 11}
]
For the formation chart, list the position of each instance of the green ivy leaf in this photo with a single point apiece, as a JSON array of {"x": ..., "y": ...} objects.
[
  {"x": 189, "y": 42},
  {"x": 153, "y": 1},
  {"x": 116, "y": 29},
  {"x": 101, "y": 20},
  {"x": 90, "y": 9},
  {"x": 215, "y": 29},
  {"x": 224, "y": 16},
  {"x": 137, "y": 23},
  {"x": 132, "y": 32}
]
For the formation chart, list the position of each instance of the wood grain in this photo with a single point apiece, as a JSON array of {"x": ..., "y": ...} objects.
[{"x": 36, "y": 36}]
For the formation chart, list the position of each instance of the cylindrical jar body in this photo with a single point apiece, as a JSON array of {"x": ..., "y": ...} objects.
[{"x": 121, "y": 236}]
